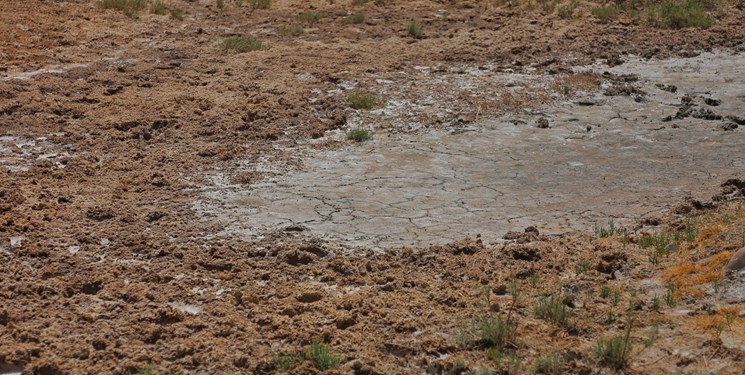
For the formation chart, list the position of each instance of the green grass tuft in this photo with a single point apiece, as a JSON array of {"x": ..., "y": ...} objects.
[
  {"x": 261, "y": 4},
  {"x": 310, "y": 18},
  {"x": 158, "y": 7},
  {"x": 548, "y": 365},
  {"x": 129, "y": 7},
  {"x": 355, "y": 19},
  {"x": 414, "y": 29},
  {"x": 680, "y": 15},
  {"x": 292, "y": 30},
  {"x": 362, "y": 100},
  {"x": 322, "y": 356},
  {"x": 244, "y": 43},
  {"x": 606, "y": 13},
  {"x": 552, "y": 309},
  {"x": 567, "y": 11},
  {"x": 359, "y": 135}
]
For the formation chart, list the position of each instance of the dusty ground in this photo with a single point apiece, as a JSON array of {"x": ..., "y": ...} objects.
[{"x": 111, "y": 126}]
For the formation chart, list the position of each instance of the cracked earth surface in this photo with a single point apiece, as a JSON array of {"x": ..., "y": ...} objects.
[{"x": 604, "y": 157}]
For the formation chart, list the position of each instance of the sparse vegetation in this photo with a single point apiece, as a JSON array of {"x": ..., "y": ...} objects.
[
  {"x": 414, "y": 29},
  {"x": 364, "y": 100},
  {"x": 310, "y": 18},
  {"x": 147, "y": 370},
  {"x": 318, "y": 353},
  {"x": 244, "y": 44},
  {"x": 355, "y": 18},
  {"x": 158, "y": 7},
  {"x": 610, "y": 230},
  {"x": 261, "y": 4},
  {"x": 552, "y": 309},
  {"x": 549, "y": 365},
  {"x": 567, "y": 11},
  {"x": 670, "y": 295},
  {"x": 581, "y": 268},
  {"x": 679, "y": 14},
  {"x": 606, "y": 13},
  {"x": 176, "y": 13},
  {"x": 291, "y": 30},
  {"x": 129, "y": 7},
  {"x": 359, "y": 135},
  {"x": 322, "y": 356},
  {"x": 613, "y": 351}
]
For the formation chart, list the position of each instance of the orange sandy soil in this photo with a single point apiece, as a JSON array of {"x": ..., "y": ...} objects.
[{"x": 112, "y": 256}]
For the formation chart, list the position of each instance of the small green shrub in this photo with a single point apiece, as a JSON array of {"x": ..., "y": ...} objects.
[
  {"x": 552, "y": 309},
  {"x": 567, "y": 11},
  {"x": 492, "y": 331},
  {"x": 670, "y": 295},
  {"x": 244, "y": 43},
  {"x": 362, "y": 100},
  {"x": 359, "y": 2},
  {"x": 414, "y": 29},
  {"x": 261, "y": 4},
  {"x": 221, "y": 5},
  {"x": 680, "y": 15},
  {"x": 359, "y": 135},
  {"x": 129, "y": 7},
  {"x": 606, "y": 13},
  {"x": 609, "y": 231},
  {"x": 287, "y": 361},
  {"x": 355, "y": 19},
  {"x": 549, "y": 365},
  {"x": 612, "y": 351},
  {"x": 581, "y": 268},
  {"x": 158, "y": 7},
  {"x": 292, "y": 30},
  {"x": 322, "y": 356},
  {"x": 605, "y": 292},
  {"x": 656, "y": 303},
  {"x": 147, "y": 370},
  {"x": 176, "y": 13},
  {"x": 310, "y": 18}
]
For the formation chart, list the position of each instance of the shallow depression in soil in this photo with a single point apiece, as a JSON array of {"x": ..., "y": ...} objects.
[{"x": 603, "y": 157}]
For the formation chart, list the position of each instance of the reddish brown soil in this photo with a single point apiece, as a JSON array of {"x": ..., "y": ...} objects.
[{"x": 159, "y": 103}]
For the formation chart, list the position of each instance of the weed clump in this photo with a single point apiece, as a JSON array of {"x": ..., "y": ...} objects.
[
  {"x": 260, "y": 4},
  {"x": 680, "y": 15},
  {"x": 567, "y": 11},
  {"x": 552, "y": 309},
  {"x": 129, "y": 7},
  {"x": 355, "y": 19},
  {"x": 414, "y": 29},
  {"x": 365, "y": 101},
  {"x": 320, "y": 354},
  {"x": 606, "y": 13},
  {"x": 359, "y": 135},
  {"x": 244, "y": 43},
  {"x": 158, "y": 7},
  {"x": 292, "y": 30},
  {"x": 548, "y": 365},
  {"x": 310, "y": 18}
]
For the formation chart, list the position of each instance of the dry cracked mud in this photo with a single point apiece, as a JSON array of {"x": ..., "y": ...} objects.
[{"x": 171, "y": 206}]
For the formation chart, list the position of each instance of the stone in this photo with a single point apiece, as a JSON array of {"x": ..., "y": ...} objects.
[{"x": 737, "y": 262}]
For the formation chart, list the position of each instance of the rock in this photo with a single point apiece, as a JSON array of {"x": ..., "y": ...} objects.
[
  {"x": 309, "y": 297},
  {"x": 712, "y": 102},
  {"x": 728, "y": 126},
  {"x": 345, "y": 321},
  {"x": 737, "y": 262},
  {"x": 542, "y": 123}
]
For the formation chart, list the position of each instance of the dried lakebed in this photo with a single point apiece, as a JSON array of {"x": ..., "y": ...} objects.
[{"x": 626, "y": 155}]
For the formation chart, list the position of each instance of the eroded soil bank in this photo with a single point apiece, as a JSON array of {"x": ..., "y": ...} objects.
[{"x": 142, "y": 164}]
